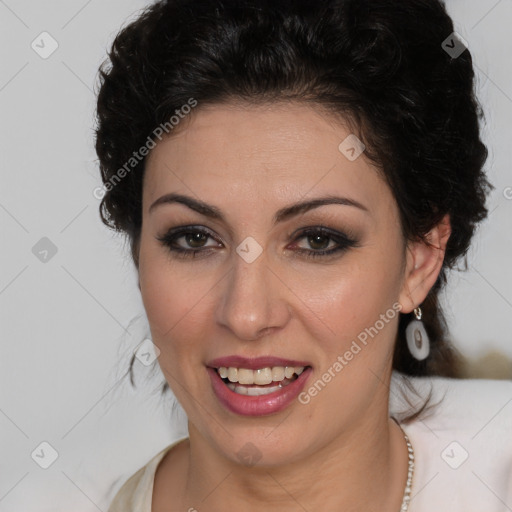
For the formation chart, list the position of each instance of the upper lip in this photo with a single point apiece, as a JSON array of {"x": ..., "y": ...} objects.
[{"x": 253, "y": 363}]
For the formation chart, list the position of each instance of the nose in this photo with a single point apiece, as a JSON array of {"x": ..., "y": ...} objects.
[{"x": 253, "y": 302}]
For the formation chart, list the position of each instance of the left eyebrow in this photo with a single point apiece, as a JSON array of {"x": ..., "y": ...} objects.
[{"x": 302, "y": 207}]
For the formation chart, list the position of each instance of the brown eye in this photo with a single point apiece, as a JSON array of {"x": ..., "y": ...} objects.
[
  {"x": 196, "y": 239},
  {"x": 193, "y": 241},
  {"x": 319, "y": 239}
]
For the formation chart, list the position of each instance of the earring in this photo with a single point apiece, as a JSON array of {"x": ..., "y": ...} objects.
[{"x": 417, "y": 337}]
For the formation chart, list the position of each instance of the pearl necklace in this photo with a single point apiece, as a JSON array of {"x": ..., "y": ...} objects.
[{"x": 407, "y": 493}]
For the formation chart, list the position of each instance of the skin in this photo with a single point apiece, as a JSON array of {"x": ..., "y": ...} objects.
[{"x": 250, "y": 161}]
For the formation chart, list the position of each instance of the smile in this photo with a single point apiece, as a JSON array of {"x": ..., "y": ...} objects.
[{"x": 257, "y": 386}]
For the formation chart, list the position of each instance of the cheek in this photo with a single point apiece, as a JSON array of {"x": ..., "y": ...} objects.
[
  {"x": 178, "y": 297},
  {"x": 171, "y": 304},
  {"x": 175, "y": 299},
  {"x": 351, "y": 301},
  {"x": 173, "y": 311}
]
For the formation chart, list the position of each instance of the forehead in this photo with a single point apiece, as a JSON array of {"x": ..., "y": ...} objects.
[{"x": 281, "y": 151}]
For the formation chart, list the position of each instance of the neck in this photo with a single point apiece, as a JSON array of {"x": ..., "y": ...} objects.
[{"x": 363, "y": 468}]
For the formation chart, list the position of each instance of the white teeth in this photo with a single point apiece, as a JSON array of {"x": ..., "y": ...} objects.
[
  {"x": 261, "y": 376},
  {"x": 245, "y": 376},
  {"x": 243, "y": 390},
  {"x": 277, "y": 373},
  {"x": 289, "y": 371},
  {"x": 261, "y": 391}
]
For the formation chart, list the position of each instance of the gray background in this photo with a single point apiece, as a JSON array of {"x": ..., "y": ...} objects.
[{"x": 70, "y": 324}]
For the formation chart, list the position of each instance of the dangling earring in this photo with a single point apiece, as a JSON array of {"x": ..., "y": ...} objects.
[{"x": 417, "y": 337}]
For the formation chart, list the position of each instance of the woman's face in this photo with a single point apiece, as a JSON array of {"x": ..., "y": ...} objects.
[{"x": 258, "y": 287}]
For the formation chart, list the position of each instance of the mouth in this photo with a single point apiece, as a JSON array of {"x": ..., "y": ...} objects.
[{"x": 258, "y": 390}]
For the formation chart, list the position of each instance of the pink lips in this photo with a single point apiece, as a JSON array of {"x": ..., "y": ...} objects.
[{"x": 262, "y": 404}]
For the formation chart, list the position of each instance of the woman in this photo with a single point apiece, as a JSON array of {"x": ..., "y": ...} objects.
[{"x": 295, "y": 180}]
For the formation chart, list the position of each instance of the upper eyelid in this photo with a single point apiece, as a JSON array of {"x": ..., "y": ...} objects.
[{"x": 180, "y": 231}]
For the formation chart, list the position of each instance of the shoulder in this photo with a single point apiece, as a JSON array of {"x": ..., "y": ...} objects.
[
  {"x": 462, "y": 444},
  {"x": 135, "y": 495},
  {"x": 129, "y": 495},
  {"x": 458, "y": 404}
]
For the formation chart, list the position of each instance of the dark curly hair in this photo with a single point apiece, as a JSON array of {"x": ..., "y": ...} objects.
[{"x": 381, "y": 66}]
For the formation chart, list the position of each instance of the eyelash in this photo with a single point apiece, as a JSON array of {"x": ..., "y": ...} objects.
[{"x": 344, "y": 241}]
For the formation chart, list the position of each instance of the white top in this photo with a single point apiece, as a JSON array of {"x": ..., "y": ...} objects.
[{"x": 463, "y": 449}]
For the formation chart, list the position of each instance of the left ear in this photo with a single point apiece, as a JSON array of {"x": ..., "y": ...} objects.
[{"x": 424, "y": 262}]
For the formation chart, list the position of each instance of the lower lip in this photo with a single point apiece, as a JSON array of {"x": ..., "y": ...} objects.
[{"x": 257, "y": 405}]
